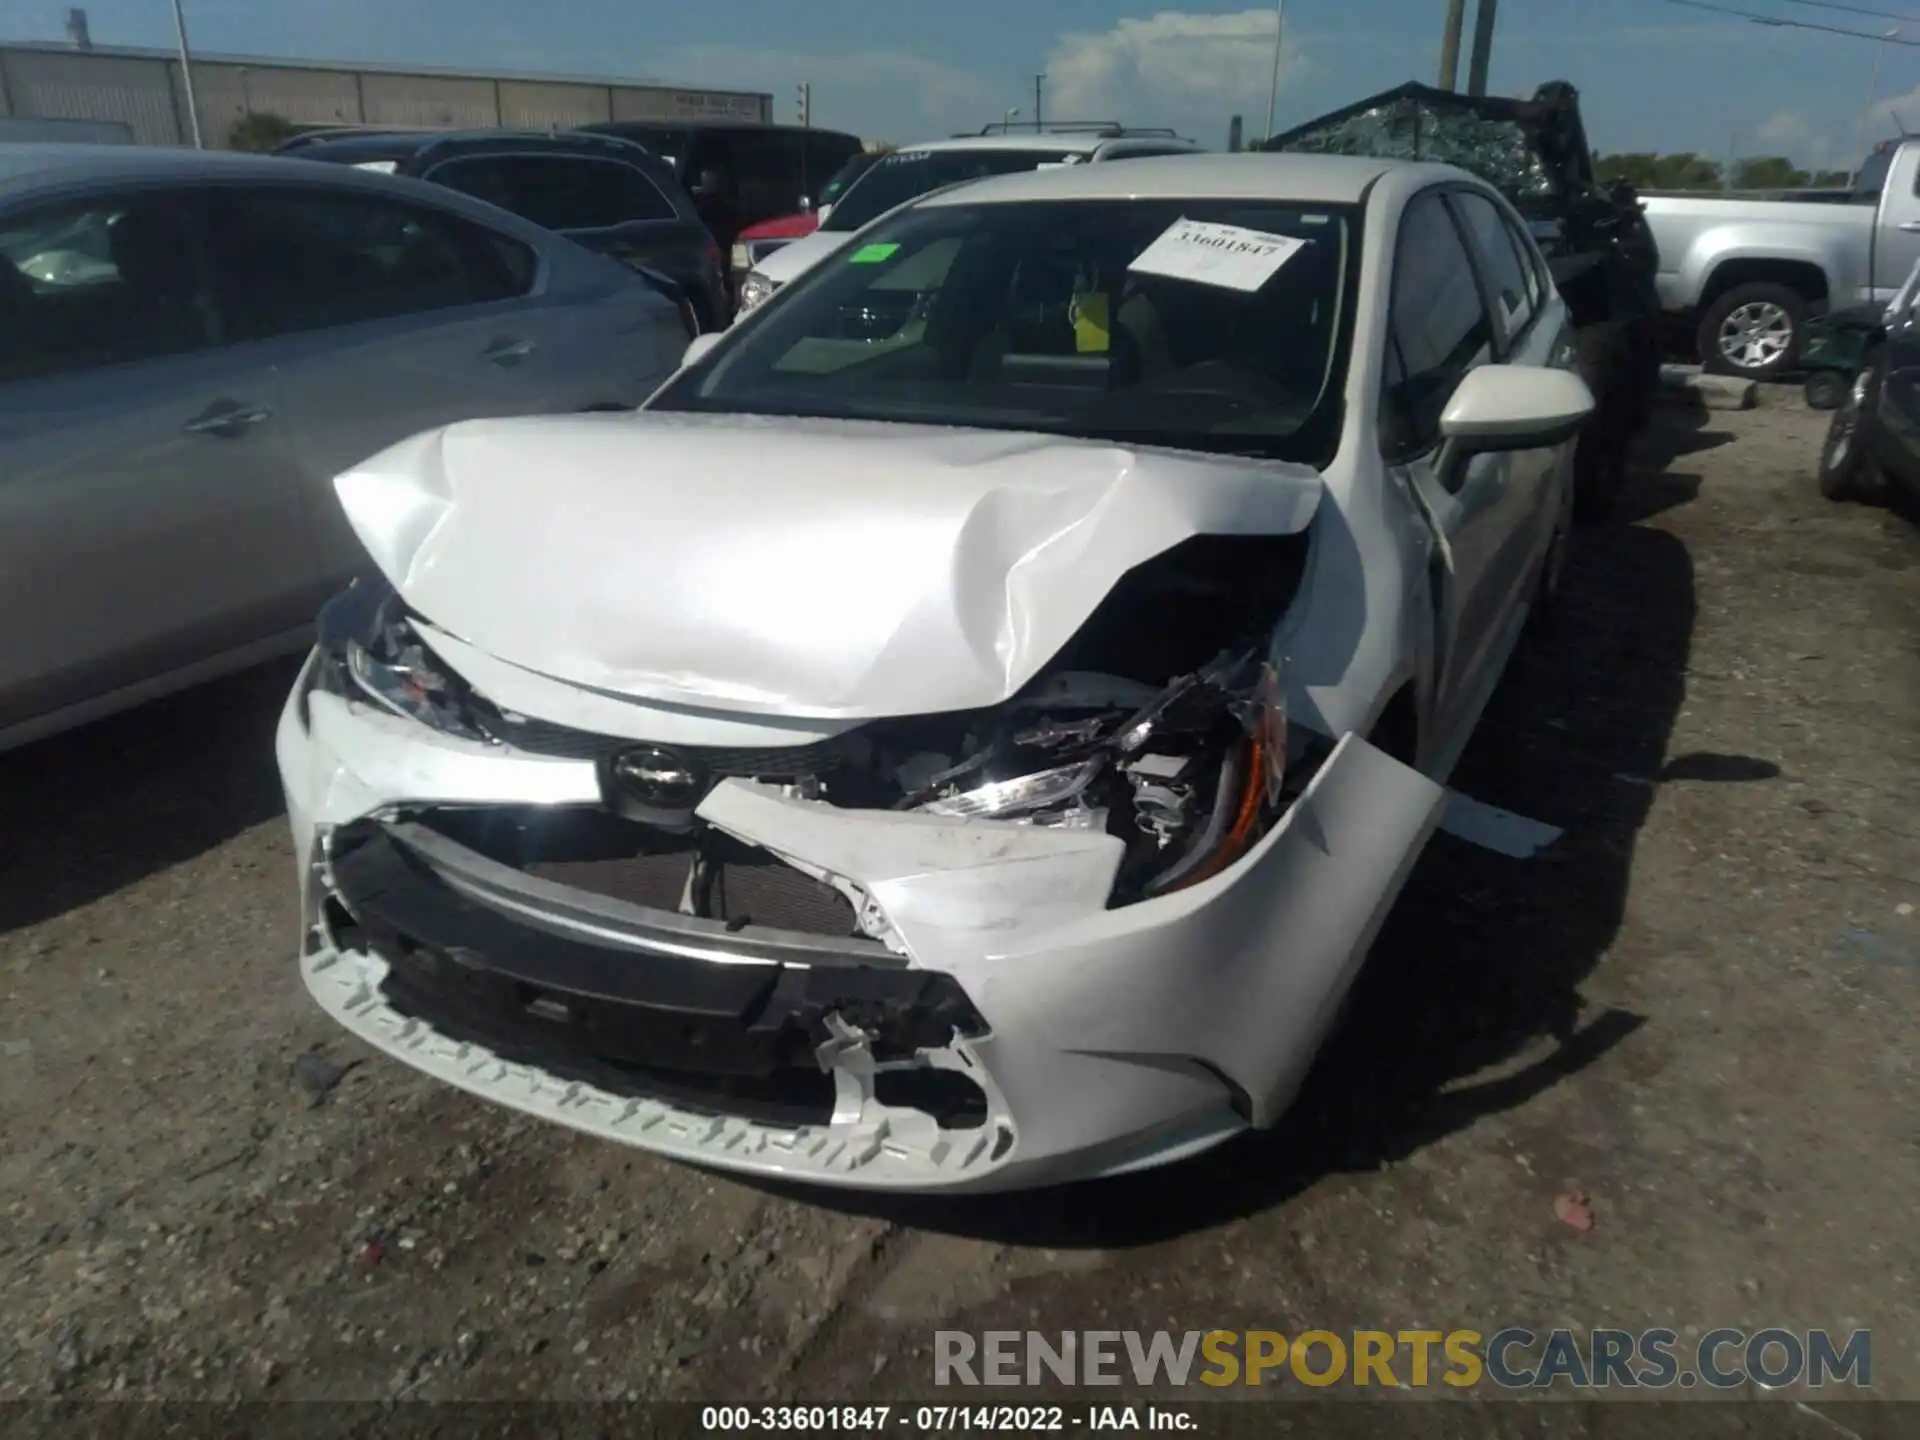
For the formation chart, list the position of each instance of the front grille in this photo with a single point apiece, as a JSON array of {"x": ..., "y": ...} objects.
[
  {"x": 730, "y": 1038},
  {"x": 590, "y": 850},
  {"x": 767, "y": 894},
  {"x": 562, "y": 742}
]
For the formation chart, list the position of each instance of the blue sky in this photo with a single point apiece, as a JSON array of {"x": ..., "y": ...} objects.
[{"x": 1652, "y": 75}]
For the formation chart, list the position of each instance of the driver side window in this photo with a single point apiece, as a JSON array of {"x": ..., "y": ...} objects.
[{"x": 1437, "y": 328}]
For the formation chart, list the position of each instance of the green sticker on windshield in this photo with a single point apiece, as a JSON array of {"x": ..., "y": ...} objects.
[{"x": 871, "y": 254}]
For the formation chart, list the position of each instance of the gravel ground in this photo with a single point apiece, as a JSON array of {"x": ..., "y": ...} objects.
[{"x": 1697, "y": 1010}]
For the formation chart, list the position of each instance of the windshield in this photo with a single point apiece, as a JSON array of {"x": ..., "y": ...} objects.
[
  {"x": 1058, "y": 317},
  {"x": 908, "y": 174},
  {"x": 1413, "y": 128},
  {"x": 845, "y": 176}
]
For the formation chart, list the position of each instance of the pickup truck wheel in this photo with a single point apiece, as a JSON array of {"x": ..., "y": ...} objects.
[
  {"x": 1752, "y": 331},
  {"x": 1847, "y": 471}
]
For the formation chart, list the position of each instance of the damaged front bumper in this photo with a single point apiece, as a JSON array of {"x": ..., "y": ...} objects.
[{"x": 1012, "y": 1030}]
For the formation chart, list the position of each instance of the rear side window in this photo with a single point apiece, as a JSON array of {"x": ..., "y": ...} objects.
[
  {"x": 826, "y": 155},
  {"x": 1437, "y": 327},
  {"x": 1509, "y": 276},
  {"x": 100, "y": 282},
  {"x": 293, "y": 260},
  {"x": 766, "y": 169},
  {"x": 560, "y": 192}
]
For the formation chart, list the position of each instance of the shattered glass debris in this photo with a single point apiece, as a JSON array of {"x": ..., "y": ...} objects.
[{"x": 1411, "y": 127}]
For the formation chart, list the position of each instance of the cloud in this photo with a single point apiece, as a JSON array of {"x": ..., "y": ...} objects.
[
  {"x": 878, "y": 94},
  {"x": 1815, "y": 146},
  {"x": 1790, "y": 133},
  {"x": 1888, "y": 118},
  {"x": 1174, "y": 68}
]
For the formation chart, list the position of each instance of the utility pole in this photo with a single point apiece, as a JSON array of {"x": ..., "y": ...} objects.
[
  {"x": 1273, "y": 91},
  {"x": 1450, "y": 43},
  {"x": 1482, "y": 46},
  {"x": 186, "y": 75},
  {"x": 1038, "y": 81}
]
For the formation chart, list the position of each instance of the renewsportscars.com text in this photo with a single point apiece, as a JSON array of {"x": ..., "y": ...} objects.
[{"x": 1512, "y": 1358}]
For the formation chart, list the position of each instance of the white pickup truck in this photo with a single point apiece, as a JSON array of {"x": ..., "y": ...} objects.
[{"x": 1744, "y": 274}]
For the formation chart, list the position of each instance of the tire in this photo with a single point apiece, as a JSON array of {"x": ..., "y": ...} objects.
[
  {"x": 1752, "y": 331},
  {"x": 1827, "y": 389},
  {"x": 1847, "y": 471}
]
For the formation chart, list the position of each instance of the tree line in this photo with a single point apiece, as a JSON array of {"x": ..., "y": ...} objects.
[{"x": 1688, "y": 171}]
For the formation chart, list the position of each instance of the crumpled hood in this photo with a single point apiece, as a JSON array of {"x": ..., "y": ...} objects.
[{"x": 832, "y": 569}]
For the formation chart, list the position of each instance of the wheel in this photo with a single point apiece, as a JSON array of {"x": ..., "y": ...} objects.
[
  {"x": 1847, "y": 471},
  {"x": 1752, "y": 331},
  {"x": 1825, "y": 389}
]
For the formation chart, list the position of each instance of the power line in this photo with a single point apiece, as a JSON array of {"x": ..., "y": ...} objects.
[
  {"x": 1855, "y": 10},
  {"x": 1794, "y": 24}
]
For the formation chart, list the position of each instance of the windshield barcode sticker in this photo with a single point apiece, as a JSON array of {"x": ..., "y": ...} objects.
[{"x": 1224, "y": 255}]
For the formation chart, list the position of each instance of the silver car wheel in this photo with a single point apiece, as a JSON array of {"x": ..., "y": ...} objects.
[{"x": 1755, "y": 335}]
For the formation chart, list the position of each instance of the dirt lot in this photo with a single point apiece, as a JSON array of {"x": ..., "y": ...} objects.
[{"x": 1698, "y": 1009}]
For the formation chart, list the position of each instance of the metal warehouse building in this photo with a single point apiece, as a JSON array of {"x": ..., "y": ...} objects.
[{"x": 142, "y": 89}]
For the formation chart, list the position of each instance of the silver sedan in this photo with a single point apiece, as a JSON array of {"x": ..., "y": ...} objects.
[{"x": 193, "y": 345}]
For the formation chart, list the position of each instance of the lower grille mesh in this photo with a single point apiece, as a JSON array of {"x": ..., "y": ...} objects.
[{"x": 771, "y": 895}]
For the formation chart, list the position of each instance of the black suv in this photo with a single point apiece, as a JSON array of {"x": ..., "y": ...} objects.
[
  {"x": 740, "y": 173},
  {"x": 602, "y": 193}
]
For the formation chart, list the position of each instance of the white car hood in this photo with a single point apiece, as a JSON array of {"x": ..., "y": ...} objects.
[
  {"x": 803, "y": 568},
  {"x": 798, "y": 256}
]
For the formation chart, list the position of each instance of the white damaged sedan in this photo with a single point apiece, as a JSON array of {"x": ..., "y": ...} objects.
[{"x": 965, "y": 731}]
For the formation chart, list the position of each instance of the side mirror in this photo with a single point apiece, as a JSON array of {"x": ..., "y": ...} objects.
[
  {"x": 825, "y": 210},
  {"x": 699, "y": 346},
  {"x": 1511, "y": 407}
]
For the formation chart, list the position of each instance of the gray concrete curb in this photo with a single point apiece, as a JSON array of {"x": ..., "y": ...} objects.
[{"x": 1686, "y": 384}]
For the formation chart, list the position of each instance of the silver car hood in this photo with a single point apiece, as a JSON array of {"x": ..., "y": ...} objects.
[{"x": 806, "y": 568}]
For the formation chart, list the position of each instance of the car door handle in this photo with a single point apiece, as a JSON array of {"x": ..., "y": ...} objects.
[
  {"x": 226, "y": 419},
  {"x": 1912, "y": 227},
  {"x": 505, "y": 352}
]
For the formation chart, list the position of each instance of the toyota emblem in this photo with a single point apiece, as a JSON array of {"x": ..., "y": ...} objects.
[{"x": 657, "y": 778}]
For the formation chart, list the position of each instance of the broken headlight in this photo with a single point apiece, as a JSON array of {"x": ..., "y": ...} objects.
[
  {"x": 1022, "y": 795},
  {"x": 369, "y": 642},
  {"x": 1188, "y": 781}
]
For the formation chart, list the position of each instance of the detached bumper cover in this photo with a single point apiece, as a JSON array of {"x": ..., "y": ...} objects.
[{"x": 1017, "y": 1033}]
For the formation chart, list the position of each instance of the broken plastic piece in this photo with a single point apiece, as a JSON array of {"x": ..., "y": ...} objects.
[{"x": 1492, "y": 828}]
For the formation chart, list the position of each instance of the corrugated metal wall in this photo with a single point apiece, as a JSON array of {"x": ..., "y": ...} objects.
[
  {"x": 138, "y": 93},
  {"x": 144, "y": 92}
]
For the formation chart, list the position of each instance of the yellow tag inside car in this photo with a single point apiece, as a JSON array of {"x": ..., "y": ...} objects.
[
  {"x": 1090, "y": 328},
  {"x": 871, "y": 254}
]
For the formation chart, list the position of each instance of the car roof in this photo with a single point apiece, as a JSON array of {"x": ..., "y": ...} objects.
[
  {"x": 616, "y": 127},
  {"x": 1316, "y": 179},
  {"x": 395, "y": 144},
  {"x": 20, "y": 162},
  {"x": 1074, "y": 142},
  {"x": 34, "y": 170}
]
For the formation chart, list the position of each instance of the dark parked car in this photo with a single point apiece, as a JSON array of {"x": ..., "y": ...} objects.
[
  {"x": 1595, "y": 237},
  {"x": 739, "y": 173},
  {"x": 606, "y": 194},
  {"x": 1873, "y": 441}
]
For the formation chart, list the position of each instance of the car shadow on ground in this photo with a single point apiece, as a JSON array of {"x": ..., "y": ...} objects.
[
  {"x": 1471, "y": 1000},
  {"x": 84, "y": 813}
]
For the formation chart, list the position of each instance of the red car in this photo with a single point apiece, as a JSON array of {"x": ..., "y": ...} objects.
[{"x": 757, "y": 241}]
